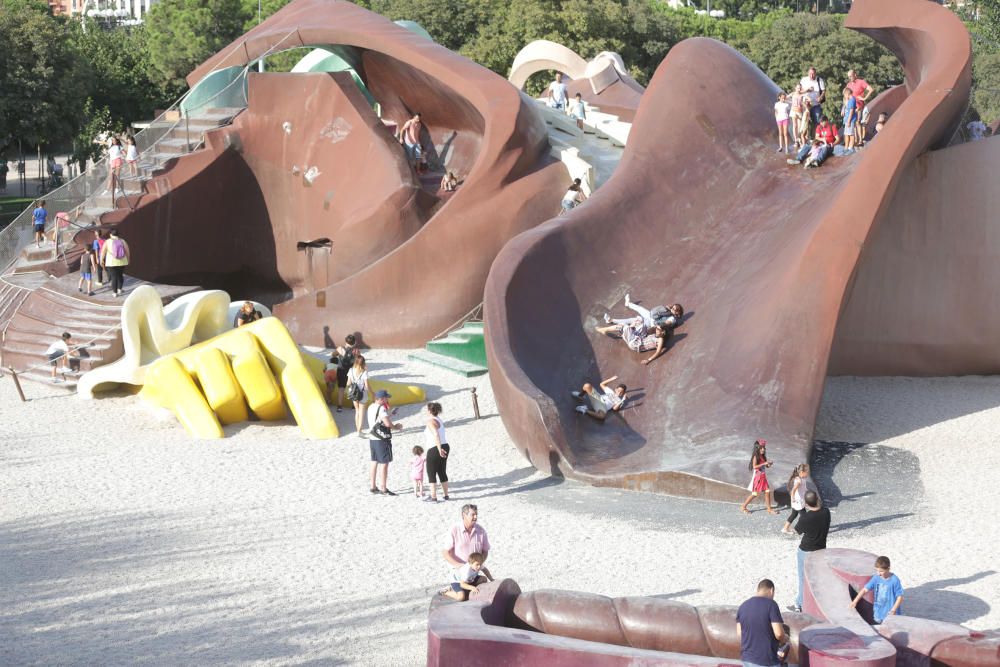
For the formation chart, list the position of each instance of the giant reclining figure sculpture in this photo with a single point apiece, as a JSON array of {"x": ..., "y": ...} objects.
[
  {"x": 310, "y": 160},
  {"x": 702, "y": 212},
  {"x": 501, "y": 625}
]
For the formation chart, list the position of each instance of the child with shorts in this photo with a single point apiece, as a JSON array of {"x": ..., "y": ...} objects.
[
  {"x": 87, "y": 262},
  {"x": 850, "y": 113},
  {"x": 467, "y": 578},
  {"x": 38, "y": 218},
  {"x": 578, "y": 110},
  {"x": 60, "y": 350},
  {"x": 782, "y": 112}
]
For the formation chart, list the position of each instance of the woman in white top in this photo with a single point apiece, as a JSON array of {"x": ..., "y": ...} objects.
[
  {"x": 437, "y": 452},
  {"x": 358, "y": 375},
  {"x": 115, "y": 160}
]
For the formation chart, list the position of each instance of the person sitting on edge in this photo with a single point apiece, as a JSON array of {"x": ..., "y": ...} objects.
[
  {"x": 888, "y": 591},
  {"x": 466, "y": 577},
  {"x": 672, "y": 314},
  {"x": 60, "y": 349},
  {"x": 826, "y": 133},
  {"x": 573, "y": 197},
  {"x": 760, "y": 629},
  {"x": 449, "y": 182},
  {"x": 602, "y": 402},
  {"x": 247, "y": 314}
]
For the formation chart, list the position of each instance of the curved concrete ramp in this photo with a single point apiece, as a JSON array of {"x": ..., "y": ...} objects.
[
  {"x": 429, "y": 270},
  {"x": 703, "y": 212}
]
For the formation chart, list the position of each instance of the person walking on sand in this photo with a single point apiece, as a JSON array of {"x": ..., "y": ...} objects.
[
  {"x": 758, "y": 483},
  {"x": 797, "y": 487},
  {"x": 760, "y": 629},
  {"x": 465, "y": 538},
  {"x": 813, "y": 526},
  {"x": 438, "y": 450},
  {"x": 381, "y": 426},
  {"x": 358, "y": 390},
  {"x": 115, "y": 257}
]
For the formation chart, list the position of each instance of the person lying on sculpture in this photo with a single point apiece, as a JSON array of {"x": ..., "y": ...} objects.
[
  {"x": 466, "y": 577},
  {"x": 642, "y": 338},
  {"x": 672, "y": 314},
  {"x": 599, "y": 403}
]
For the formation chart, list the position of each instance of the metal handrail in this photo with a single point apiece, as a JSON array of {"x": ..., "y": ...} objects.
[{"x": 76, "y": 192}]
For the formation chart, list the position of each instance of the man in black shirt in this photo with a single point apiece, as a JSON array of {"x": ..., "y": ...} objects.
[
  {"x": 760, "y": 628},
  {"x": 814, "y": 526}
]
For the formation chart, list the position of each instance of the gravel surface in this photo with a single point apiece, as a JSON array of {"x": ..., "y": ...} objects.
[{"x": 122, "y": 541}]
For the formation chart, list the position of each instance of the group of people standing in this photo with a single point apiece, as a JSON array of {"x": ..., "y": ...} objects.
[
  {"x": 107, "y": 253},
  {"x": 801, "y": 111},
  {"x": 347, "y": 376}
]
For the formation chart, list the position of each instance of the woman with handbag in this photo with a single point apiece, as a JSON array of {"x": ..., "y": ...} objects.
[{"x": 358, "y": 391}]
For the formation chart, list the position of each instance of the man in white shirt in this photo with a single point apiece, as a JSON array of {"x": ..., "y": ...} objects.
[
  {"x": 381, "y": 427},
  {"x": 599, "y": 403},
  {"x": 558, "y": 94},
  {"x": 815, "y": 88}
]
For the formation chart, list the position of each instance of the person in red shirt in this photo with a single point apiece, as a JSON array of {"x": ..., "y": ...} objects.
[
  {"x": 825, "y": 132},
  {"x": 859, "y": 88}
]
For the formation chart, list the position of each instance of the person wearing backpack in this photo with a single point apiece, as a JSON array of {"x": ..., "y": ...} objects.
[
  {"x": 115, "y": 257},
  {"x": 345, "y": 361}
]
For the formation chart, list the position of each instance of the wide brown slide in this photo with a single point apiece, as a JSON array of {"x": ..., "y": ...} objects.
[
  {"x": 701, "y": 211},
  {"x": 309, "y": 160}
]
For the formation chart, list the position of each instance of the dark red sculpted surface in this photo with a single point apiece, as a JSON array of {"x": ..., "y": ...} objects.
[
  {"x": 501, "y": 625},
  {"x": 245, "y": 200},
  {"x": 702, "y": 211},
  {"x": 404, "y": 267}
]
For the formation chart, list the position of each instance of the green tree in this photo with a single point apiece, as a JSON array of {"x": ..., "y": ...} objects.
[
  {"x": 451, "y": 23},
  {"x": 181, "y": 34},
  {"x": 786, "y": 48},
  {"x": 119, "y": 61},
  {"x": 43, "y": 78},
  {"x": 986, "y": 86},
  {"x": 94, "y": 120}
]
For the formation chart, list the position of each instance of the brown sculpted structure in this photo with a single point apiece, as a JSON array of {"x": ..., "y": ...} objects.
[
  {"x": 762, "y": 255},
  {"x": 502, "y": 625},
  {"x": 309, "y": 160}
]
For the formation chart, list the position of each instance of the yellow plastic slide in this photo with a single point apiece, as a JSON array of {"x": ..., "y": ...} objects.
[
  {"x": 402, "y": 394},
  {"x": 257, "y": 365}
]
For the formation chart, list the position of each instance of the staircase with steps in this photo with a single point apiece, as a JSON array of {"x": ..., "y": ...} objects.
[
  {"x": 55, "y": 306},
  {"x": 462, "y": 351},
  {"x": 42, "y": 318},
  {"x": 186, "y": 136}
]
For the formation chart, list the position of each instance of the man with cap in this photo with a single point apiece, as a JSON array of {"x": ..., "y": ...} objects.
[{"x": 380, "y": 426}]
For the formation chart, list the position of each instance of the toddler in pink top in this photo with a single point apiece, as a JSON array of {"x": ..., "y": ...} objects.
[{"x": 417, "y": 471}]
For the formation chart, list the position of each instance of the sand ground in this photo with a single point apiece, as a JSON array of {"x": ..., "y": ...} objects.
[{"x": 122, "y": 541}]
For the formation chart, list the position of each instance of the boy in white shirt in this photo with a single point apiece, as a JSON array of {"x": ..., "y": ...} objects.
[
  {"x": 60, "y": 350},
  {"x": 466, "y": 577}
]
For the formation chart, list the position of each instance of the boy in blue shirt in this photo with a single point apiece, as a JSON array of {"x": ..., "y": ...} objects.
[
  {"x": 38, "y": 217},
  {"x": 888, "y": 591}
]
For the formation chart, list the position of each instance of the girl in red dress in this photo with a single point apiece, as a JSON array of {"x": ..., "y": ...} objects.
[{"x": 758, "y": 466}]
